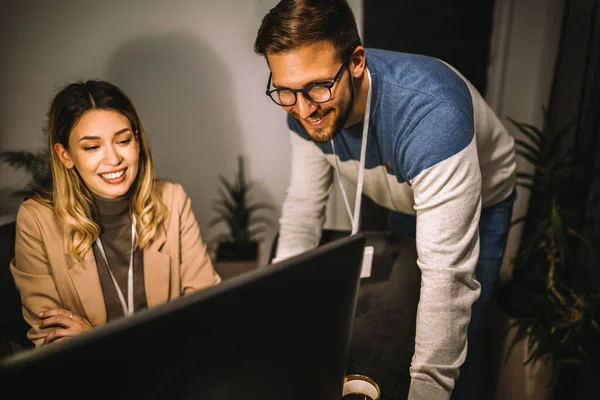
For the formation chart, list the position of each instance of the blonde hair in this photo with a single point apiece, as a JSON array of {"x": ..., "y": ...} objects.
[{"x": 70, "y": 198}]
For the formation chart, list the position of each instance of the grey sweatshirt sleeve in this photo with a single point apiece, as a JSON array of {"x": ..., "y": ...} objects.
[
  {"x": 442, "y": 165},
  {"x": 448, "y": 205},
  {"x": 303, "y": 210}
]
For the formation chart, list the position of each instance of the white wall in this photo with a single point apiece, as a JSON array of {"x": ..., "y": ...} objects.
[
  {"x": 189, "y": 67},
  {"x": 524, "y": 48}
]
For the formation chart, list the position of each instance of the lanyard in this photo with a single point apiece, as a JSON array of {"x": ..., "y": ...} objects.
[
  {"x": 361, "y": 169},
  {"x": 127, "y": 308}
]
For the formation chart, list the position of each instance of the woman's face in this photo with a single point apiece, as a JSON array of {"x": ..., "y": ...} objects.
[{"x": 105, "y": 152}]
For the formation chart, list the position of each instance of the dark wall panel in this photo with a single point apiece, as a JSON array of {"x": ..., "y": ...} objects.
[{"x": 456, "y": 31}]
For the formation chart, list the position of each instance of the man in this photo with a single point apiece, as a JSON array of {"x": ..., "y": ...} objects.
[{"x": 434, "y": 149}]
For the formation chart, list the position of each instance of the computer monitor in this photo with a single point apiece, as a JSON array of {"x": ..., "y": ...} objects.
[{"x": 281, "y": 332}]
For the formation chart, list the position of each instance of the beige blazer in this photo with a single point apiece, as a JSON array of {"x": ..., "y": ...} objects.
[{"x": 175, "y": 263}]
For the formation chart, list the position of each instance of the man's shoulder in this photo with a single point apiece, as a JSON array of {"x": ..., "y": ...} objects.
[
  {"x": 404, "y": 66},
  {"x": 417, "y": 76}
]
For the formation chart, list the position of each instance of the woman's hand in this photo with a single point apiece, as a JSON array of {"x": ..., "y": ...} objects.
[{"x": 68, "y": 324}]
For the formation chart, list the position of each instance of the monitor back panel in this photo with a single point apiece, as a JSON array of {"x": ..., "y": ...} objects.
[{"x": 281, "y": 332}]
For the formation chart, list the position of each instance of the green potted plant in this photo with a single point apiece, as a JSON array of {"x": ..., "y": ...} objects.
[
  {"x": 239, "y": 214},
  {"x": 36, "y": 164},
  {"x": 554, "y": 318}
]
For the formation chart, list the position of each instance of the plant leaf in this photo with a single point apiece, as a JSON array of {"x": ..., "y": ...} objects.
[
  {"x": 215, "y": 221},
  {"x": 529, "y": 157},
  {"x": 228, "y": 186},
  {"x": 532, "y": 133},
  {"x": 527, "y": 186},
  {"x": 518, "y": 221},
  {"x": 266, "y": 220},
  {"x": 261, "y": 206},
  {"x": 535, "y": 152},
  {"x": 526, "y": 176}
]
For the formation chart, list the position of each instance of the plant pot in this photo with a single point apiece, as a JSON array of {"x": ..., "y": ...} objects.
[
  {"x": 229, "y": 269},
  {"x": 232, "y": 251},
  {"x": 236, "y": 258}
]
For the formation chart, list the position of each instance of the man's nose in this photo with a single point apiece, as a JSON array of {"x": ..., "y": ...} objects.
[{"x": 304, "y": 107}]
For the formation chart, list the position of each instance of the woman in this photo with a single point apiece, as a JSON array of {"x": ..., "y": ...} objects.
[{"x": 109, "y": 239}]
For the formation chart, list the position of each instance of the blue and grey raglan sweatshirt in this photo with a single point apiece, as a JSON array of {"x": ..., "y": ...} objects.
[{"x": 449, "y": 156}]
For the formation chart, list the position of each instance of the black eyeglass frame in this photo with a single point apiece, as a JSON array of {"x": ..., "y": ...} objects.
[{"x": 305, "y": 89}]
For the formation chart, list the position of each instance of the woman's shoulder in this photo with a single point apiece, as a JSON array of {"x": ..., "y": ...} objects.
[
  {"x": 36, "y": 208},
  {"x": 170, "y": 191},
  {"x": 36, "y": 212}
]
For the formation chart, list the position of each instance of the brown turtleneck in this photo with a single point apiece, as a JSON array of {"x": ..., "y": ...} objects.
[{"x": 115, "y": 232}]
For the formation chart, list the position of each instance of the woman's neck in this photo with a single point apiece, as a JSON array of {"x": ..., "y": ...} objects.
[{"x": 112, "y": 212}]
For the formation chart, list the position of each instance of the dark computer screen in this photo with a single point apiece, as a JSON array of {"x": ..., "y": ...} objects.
[{"x": 281, "y": 332}]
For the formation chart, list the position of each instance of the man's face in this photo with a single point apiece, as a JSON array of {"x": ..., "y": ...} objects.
[{"x": 315, "y": 63}]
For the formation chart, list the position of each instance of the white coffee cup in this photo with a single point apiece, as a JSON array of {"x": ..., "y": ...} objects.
[{"x": 360, "y": 384}]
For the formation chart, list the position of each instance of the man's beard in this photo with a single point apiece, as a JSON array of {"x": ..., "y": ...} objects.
[{"x": 324, "y": 135}]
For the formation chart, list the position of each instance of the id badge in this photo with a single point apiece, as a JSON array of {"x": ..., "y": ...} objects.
[{"x": 367, "y": 262}]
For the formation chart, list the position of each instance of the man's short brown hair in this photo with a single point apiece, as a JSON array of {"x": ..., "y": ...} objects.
[{"x": 292, "y": 24}]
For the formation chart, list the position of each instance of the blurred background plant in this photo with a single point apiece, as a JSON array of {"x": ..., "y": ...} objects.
[
  {"x": 548, "y": 312},
  {"x": 239, "y": 214},
  {"x": 35, "y": 163}
]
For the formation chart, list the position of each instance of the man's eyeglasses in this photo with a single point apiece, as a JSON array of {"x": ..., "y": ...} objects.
[{"x": 315, "y": 92}]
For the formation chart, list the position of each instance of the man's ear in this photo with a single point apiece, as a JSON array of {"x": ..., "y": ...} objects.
[
  {"x": 358, "y": 62},
  {"x": 63, "y": 155}
]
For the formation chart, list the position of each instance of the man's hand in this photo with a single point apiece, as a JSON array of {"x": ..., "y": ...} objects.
[{"x": 68, "y": 324}]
